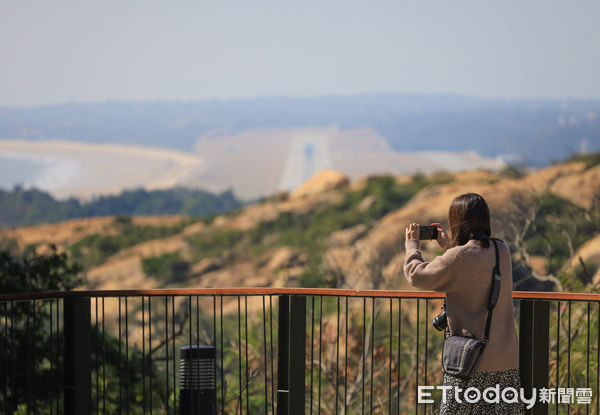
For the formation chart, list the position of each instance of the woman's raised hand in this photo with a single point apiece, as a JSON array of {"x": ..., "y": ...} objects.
[
  {"x": 412, "y": 232},
  {"x": 442, "y": 238}
]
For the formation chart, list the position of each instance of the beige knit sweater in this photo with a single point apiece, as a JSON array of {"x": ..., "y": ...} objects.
[{"x": 465, "y": 274}]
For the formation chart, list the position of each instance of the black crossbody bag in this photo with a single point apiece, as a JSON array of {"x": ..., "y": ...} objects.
[{"x": 461, "y": 354}]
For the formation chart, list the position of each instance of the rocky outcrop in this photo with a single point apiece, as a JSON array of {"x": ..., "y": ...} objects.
[
  {"x": 581, "y": 189},
  {"x": 589, "y": 254},
  {"x": 325, "y": 180},
  {"x": 281, "y": 258},
  {"x": 347, "y": 236},
  {"x": 207, "y": 265}
]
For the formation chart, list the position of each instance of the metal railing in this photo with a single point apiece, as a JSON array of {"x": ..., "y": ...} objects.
[{"x": 278, "y": 351}]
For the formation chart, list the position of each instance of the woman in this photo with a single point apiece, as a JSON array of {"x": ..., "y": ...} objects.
[{"x": 464, "y": 273}]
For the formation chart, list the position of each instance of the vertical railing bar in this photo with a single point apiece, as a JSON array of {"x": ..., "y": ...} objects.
[
  {"x": 246, "y": 347},
  {"x": 346, "y": 364},
  {"x": 557, "y": 350},
  {"x": 312, "y": 347},
  {"x": 33, "y": 343},
  {"x": 29, "y": 358},
  {"x": 272, "y": 356},
  {"x": 6, "y": 364},
  {"x": 320, "y": 347},
  {"x": 221, "y": 356},
  {"x": 587, "y": 355},
  {"x": 364, "y": 352},
  {"x": 391, "y": 347},
  {"x": 57, "y": 386},
  {"x": 598, "y": 364},
  {"x": 96, "y": 357},
  {"x": 399, "y": 346},
  {"x": 53, "y": 364},
  {"x": 119, "y": 365},
  {"x": 265, "y": 355},
  {"x": 143, "y": 355},
  {"x": 103, "y": 362},
  {"x": 372, "y": 349},
  {"x": 240, "y": 405},
  {"x": 28, "y": 352},
  {"x": 167, "y": 351},
  {"x": 52, "y": 372},
  {"x": 198, "y": 320},
  {"x": 126, "y": 356},
  {"x": 150, "y": 352},
  {"x": 174, "y": 351},
  {"x": 214, "y": 334},
  {"x": 12, "y": 336},
  {"x": 337, "y": 355},
  {"x": 426, "y": 344},
  {"x": 214, "y": 342},
  {"x": 190, "y": 319},
  {"x": 417, "y": 361},
  {"x": 9, "y": 350},
  {"x": 569, "y": 357}
]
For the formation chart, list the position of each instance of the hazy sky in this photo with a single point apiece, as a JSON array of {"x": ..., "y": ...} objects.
[{"x": 57, "y": 51}]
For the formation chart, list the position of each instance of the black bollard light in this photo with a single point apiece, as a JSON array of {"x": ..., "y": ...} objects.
[{"x": 198, "y": 386}]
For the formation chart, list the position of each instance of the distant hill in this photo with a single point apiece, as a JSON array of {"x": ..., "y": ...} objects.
[
  {"x": 537, "y": 130},
  {"x": 21, "y": 206}
]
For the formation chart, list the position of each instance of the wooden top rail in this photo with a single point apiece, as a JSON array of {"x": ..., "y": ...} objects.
[{"x": 521, "y": 295}]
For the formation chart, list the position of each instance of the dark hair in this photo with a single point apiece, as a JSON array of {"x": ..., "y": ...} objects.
[{"x": 469, "y": 218}]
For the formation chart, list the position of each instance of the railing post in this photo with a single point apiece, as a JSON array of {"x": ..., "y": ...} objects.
[
  {"x": 534, "y": 340},
  {"x": 291, "y": 354},
  {"x": 77, "y": 356},
  {"x": 297, "y": 358},
  {"x": 283, "y": 353}
]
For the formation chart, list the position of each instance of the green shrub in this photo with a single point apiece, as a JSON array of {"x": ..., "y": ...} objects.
[
  {"x": 590, "y": 160},
  {"x": 167, "y": 268},
  {"x": 558, "y": 220},
  {"x": 511, "y": 171},
  {"x": 94, "y": 249},
  {"x": 213, "y": 242}
]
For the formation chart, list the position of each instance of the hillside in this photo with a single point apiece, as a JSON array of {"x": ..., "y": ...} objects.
[{"x": 336, "y": 232}]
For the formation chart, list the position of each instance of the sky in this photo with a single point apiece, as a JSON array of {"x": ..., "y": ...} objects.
[{"x": 71, "y": 50}]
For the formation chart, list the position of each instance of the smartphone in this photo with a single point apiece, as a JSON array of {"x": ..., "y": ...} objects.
[{"x": 428, "y": 232}]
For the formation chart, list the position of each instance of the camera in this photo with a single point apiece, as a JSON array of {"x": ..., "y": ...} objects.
[
  {"x": 427, "y": 232},
  {"x": 440, "y": 322}
]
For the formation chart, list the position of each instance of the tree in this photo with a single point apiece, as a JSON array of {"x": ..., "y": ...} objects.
[
  {"x": 33, "y": 272},
  {"x": 25, "y": 326}
]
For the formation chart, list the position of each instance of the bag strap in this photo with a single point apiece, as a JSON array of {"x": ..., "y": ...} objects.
[{"x": 494, "y": 294}]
